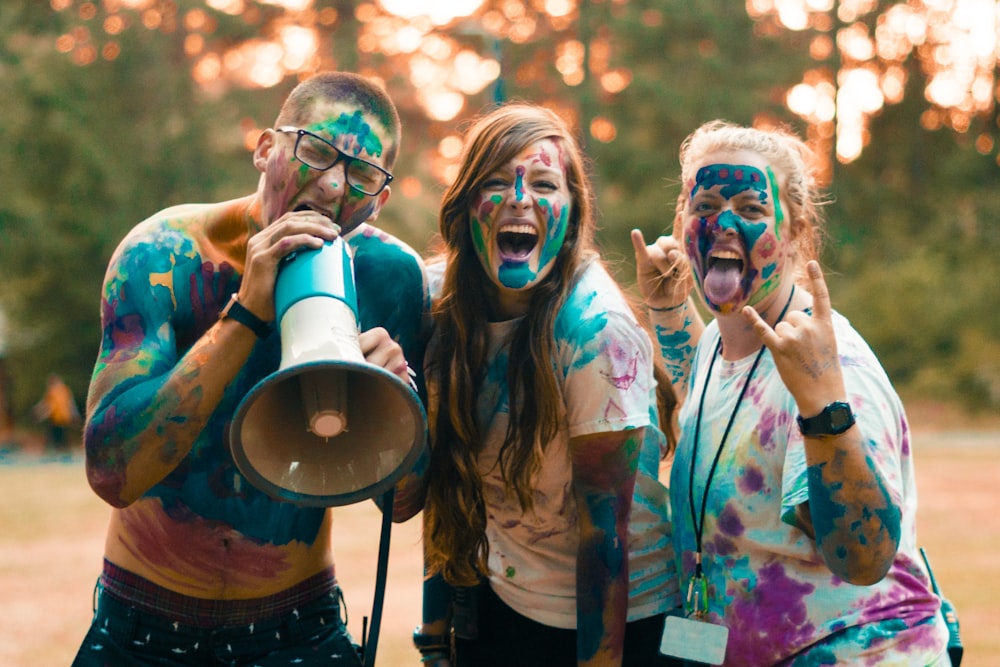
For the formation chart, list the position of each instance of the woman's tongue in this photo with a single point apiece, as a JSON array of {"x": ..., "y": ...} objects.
[{"x": 722, "y": 281}]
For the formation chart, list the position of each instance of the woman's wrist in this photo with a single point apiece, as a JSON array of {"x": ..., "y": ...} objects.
[{"x": 667, "y": 309}]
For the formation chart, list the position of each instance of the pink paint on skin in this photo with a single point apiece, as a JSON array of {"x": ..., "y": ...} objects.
[
  {"x": 527, "y": 189},
  {"x": 279, "y": 173},
  {"x": 736, "y": 209},
  {"x": 484, "y": 206},
  {"x": 195, "y": 546}
]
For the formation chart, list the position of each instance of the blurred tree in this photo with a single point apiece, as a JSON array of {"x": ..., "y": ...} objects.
[
  {"x": 914, "y": 242},
  {"x": 116, "y": 110},
  {"x": 88, "y": 154}
]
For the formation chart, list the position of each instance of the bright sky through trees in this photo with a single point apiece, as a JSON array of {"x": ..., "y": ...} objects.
[{"x": 861, "y": 48}]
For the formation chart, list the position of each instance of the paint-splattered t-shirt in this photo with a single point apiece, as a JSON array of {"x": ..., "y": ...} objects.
[
  {"x": 604, "y": 368},
  {"x": 766, "y": 579}
]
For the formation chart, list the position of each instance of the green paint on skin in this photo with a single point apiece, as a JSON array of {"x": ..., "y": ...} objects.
[
  {"x": 779, "y": 213},
  {"x": 556, "y": 233},
  {"x": 520, "y": 274},
  {"x": 510, "y": 572},
  {"x": 478, "y": 241},
  {"x": 365, "y": 139}
]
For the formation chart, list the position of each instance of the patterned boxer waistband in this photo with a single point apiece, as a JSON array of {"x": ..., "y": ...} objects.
[{"x": 148, "y": 597}]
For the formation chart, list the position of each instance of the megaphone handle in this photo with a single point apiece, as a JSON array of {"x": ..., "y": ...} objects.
[{"x": 371, "y": 642}]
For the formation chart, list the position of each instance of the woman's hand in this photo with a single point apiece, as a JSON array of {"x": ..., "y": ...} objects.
[
  {"x": 382, "y": 351},
  {"x": 662, "y": 270},
  {"x": 804, "y": 348}
]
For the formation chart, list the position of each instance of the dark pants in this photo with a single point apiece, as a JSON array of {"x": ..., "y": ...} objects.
[
  {"x": 507, "y": 638},
  {"x": 122, "y": 635}
]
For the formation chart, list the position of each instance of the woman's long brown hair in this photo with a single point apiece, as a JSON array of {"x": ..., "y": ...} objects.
[{"x": 455, "y": 510}]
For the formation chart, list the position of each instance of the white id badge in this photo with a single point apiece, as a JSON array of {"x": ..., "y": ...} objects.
[{"x": 694, "y": 640}]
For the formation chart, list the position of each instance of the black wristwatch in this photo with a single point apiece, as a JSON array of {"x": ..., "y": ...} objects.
[
  {"x": 833, "y": 420},
  {"x": 235, "y": 310}
]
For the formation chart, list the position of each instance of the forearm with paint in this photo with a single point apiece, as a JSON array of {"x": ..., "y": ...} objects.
[
  {"x": 856, "y": 523},
  {"x": 677, "y": 333},
  {"x": 604, "y": 470}
]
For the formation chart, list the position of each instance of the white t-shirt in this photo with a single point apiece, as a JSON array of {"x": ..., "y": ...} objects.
[{"x": 604, "y": 369}]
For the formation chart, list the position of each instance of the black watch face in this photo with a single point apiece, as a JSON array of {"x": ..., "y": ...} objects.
[{"x": 840, "y": 418}]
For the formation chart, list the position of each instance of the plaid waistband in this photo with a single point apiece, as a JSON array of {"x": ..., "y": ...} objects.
[{"x": 148, "y": 597}]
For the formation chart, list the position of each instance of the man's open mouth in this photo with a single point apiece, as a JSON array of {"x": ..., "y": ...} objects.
[{"x": 516, "y": 242}]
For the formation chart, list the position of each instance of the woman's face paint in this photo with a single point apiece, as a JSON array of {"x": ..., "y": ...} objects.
[
  {"x": 519, "y": 217},
  {"x": 291, "y": 185},
  {"x": 735, "y": 230}
]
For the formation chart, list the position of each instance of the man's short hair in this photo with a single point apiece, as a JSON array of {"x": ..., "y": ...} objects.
[{"x": 370, "y": 98}]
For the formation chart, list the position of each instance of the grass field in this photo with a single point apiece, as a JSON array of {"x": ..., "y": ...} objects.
[{"x": 53, "y": 526}]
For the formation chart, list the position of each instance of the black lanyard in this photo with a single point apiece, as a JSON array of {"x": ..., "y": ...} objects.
[{"x": 699, "y": 526}]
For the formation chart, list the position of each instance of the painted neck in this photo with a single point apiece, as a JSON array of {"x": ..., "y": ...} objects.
[{"x": 739, "y": 340}]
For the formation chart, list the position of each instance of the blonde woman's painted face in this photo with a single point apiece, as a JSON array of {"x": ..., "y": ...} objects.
[
  {"x": 519, "y": 217},
  {"x": 735, "y": 230}
]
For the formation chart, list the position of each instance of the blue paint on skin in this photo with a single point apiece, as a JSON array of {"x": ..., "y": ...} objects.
[
  {"x": 207, "y": 484},
  {"x": 824, "y": 509},
  {"x": 750, "y": 231},
  {"x": 734, "y": 180},
  {"x": 515, "y": 275},
  {"x": 890, "y": 515},
  {"x": 612, "y": 557},
  {"x": 676, "y": 344},
  {"x": 556, "y": 233}
]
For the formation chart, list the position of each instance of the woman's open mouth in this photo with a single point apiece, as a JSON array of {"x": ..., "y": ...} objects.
[
  {"x": 516, "y": 242},
  {"x": 723, "y": 276}
]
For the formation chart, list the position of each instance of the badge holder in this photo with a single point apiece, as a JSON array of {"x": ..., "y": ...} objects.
[{"x": 692, "y": 637}]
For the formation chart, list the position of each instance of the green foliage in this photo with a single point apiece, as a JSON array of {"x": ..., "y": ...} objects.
[
  {"x": 913, "y": 242},
  {"x": 90, "y": 151}
]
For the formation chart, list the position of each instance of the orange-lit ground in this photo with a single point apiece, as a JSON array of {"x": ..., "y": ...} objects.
[{"x": 53, "y": 531}]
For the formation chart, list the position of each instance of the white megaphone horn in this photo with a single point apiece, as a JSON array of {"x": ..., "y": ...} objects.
[{"x": 327, "y": 428}]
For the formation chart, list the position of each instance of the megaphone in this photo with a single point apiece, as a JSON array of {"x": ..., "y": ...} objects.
[{"x": 327, "y": 428}]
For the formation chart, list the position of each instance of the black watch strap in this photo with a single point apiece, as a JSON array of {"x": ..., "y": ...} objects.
[
  {"x": 235, "y": 310},
  {"x": 833, "y": 420}
]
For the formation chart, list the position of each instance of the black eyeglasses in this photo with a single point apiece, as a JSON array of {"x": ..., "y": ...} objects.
[{"x": 320, "y": 154}]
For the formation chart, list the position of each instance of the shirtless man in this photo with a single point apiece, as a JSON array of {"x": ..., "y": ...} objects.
[{"x": 200, "y": 566}]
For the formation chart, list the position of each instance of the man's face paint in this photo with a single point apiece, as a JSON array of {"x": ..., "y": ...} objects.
[
  {"x": 733, "y": 232},
  {"x": 292, "y": 185},
  {"x": 519, "y": 217}
]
